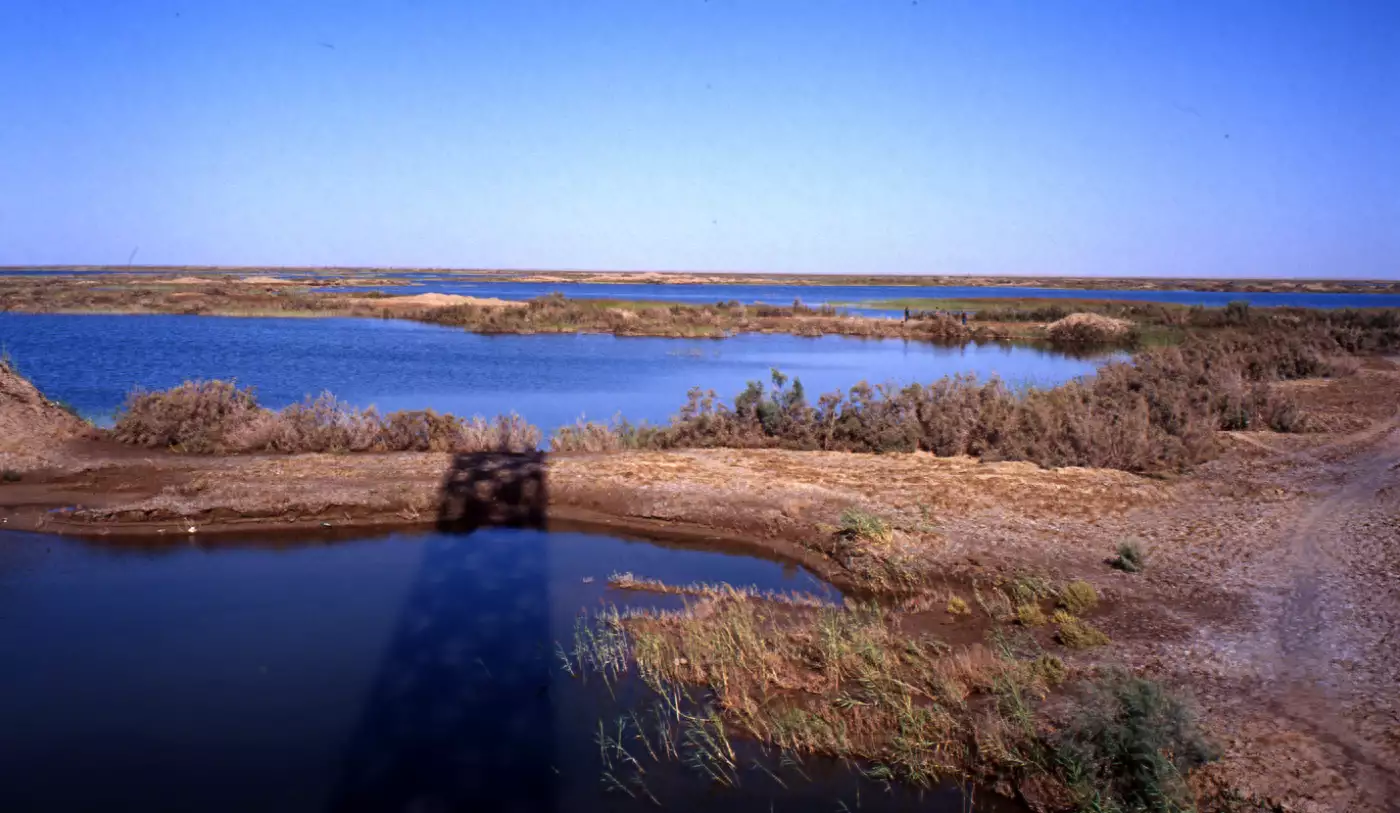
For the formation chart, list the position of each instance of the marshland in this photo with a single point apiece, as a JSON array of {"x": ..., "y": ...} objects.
[{"x": 892, "y": 569}]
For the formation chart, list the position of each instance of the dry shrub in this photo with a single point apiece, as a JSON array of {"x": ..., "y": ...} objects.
[
  {"x": 1079, "y": 597},
  {"x": 207, "y": 417},
  {"x": 587, "y": 436},
  {"x": 1091, "y": 328},
  {"x": 1160, "y": 412},
  {"x": 194, "y": 417},
  {"x": 1030, "y": 615},
  {"x": 1080, "y": 635}
]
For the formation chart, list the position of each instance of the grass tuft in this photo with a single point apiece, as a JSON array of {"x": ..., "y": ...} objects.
[
  {"x": 860, "y": 525},
  {"x": 1130, "y": 559},
  {"x": 956, "y": 606}
]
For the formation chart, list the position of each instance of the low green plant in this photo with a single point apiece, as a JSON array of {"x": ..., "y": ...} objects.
[
  {"x": 956, "y": 606},
  {"x": 10, "y": 476},
  {"x": 858, "y": 524},
  {"x": 1131, "y": 558},
  {"x": 1078, "y": 597},
  {"x": 1063, "y": 617},
  {"x": 1129, "y": 745},
  {"x": 1050, "y": 668}
]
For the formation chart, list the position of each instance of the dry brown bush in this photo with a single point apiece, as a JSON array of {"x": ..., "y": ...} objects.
[
  {"x": 1160, "y": 412},
  {"x": 207, "y": 417},
  {"x": 1090, "y": 328}
]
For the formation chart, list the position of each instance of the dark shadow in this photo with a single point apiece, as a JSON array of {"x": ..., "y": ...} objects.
[{"x": 493, "y": 489}]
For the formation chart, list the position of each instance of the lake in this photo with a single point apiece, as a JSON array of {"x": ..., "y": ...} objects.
[
  {"x": 857, "y": 294},
  {"x": 410, "y": 672},
  {"x": 92, "y": 361}
]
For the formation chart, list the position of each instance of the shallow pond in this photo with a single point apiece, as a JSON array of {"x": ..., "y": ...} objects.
[
  {"x": 412, "y": 672},
  {"x": 92, "y": 361}
]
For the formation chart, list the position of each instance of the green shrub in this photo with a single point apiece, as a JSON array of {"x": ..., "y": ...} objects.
[
  {"x": 1131, "y": 558},
  {"x": 1129, "y": 746},
  {"x": 956, "y": 606},
  {"x": 1078, "y": 597},
  {"x": 10, "y": 476}
]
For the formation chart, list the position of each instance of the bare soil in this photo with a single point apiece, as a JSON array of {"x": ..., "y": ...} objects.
[{"x": 1272, "y": 591}]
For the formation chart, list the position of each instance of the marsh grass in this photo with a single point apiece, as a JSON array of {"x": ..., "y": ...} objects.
[
  {"x": 848, "y": 682},
  {"x": 628, "y": 581}
]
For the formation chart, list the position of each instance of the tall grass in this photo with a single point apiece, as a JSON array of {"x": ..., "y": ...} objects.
[{"x": 210, "y": 417}]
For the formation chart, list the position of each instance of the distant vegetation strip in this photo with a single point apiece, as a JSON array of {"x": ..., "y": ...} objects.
[{"x": 734, "y": 278}]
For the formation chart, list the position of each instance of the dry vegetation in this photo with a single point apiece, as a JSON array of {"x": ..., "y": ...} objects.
[
  {"x": 213, "y": 417},
  {"x": 1160, "y": 412}
]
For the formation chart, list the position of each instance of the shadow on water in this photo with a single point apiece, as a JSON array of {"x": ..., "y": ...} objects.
[{"x": 408, "y": 673}]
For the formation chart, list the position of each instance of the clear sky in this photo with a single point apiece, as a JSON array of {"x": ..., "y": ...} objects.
[{"x": 1213, "y": 138}]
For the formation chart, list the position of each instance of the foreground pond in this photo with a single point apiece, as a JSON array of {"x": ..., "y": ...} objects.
[
  {"x": 406, "y": 673},
  {"x": 92, "y": 361}
]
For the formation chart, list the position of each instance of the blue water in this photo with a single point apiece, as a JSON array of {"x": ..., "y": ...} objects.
[
  {"x": 91, "y": 362},
  {"x": 843, "y": 294},
  {"x": 413, "y": 672}
]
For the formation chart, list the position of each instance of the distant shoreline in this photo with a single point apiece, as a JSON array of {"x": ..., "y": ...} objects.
[{"x": 1224, "y": 285}]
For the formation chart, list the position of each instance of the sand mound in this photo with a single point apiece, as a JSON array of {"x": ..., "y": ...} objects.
[
  {"x": 187, "y": 281},
  {"x": 31, "y": 426},
  {"x": 1089, "y": 327},
  {"x": 266, "y": 281},
  {"x": 418, "y": 301}
]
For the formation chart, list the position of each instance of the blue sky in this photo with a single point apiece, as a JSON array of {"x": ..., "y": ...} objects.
[{"x": 1136, "y": 138}]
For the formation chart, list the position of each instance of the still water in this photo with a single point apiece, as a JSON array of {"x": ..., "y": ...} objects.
[
  {"x": 856, "y": 295},
  {"x": 91, "y": 362},
  {"x": 411, "y": 672}
]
